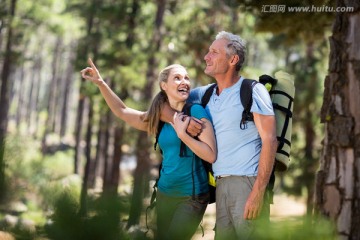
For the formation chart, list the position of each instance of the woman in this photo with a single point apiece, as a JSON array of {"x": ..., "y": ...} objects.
[{"x": 183, "y": 186}]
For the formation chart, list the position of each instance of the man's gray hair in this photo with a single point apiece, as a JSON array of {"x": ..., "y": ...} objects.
[{"x": 235, "y": 46}]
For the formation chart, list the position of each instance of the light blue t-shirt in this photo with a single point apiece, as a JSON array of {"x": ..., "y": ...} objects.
[
  {"x": 176, "y": 172},
  {"x": 238, "y": 150}
]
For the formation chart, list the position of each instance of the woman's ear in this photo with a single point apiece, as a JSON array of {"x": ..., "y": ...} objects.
[{"x": 163, "y": 86}]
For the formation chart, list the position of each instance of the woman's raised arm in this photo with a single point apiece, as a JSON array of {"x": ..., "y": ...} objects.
[{"x": 131, "y": 116}]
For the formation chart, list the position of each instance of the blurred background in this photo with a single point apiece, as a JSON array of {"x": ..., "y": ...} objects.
[{"x": 70, "y": 169}]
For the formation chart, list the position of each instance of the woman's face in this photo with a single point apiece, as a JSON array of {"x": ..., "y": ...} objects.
[{"x": 178, "y": 84}]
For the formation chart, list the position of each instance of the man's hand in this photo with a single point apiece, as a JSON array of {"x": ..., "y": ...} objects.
[
  {"x": 195, "y": 127},
  {"x": 254, "y": 204}
]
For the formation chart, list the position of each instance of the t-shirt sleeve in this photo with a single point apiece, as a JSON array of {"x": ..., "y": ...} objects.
[
  {"x": 199, "y": 112},
  {"x": 196, "y": 94},
  {"x": 261, "y": 101}
]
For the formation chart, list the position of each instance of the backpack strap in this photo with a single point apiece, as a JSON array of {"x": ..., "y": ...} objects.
[
  {"x": 159, "y": 128},
  {"x": 153, "y": 199},
  {"x": 264, "y": 79},
  {"x": 246, "y": 90},
  {"x": 187, "y": 111},
  {"x": 287, "y": 111},
  {"x": 207, "y": 95}
]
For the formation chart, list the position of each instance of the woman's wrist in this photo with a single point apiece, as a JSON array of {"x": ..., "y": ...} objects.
[
  {"x": 183, "y": 135},
  {"x": 100, "y": 83}
]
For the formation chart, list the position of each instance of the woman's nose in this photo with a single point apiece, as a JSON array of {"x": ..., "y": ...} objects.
[{"x": 185, "y": 80}]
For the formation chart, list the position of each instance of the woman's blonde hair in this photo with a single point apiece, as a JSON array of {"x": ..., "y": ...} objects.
[{"x": 154, "y": 111}]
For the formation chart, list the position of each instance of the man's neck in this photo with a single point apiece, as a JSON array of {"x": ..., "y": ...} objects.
[{"x": 226, "y": 81}]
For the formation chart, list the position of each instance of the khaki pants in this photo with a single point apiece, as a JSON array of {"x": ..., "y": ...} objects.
[{"x": 231, "y": 195}]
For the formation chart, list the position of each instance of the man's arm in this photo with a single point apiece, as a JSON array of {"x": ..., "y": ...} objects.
[
  {"x": 195, "y": 125},
  {"x": 266, "y": 125}
]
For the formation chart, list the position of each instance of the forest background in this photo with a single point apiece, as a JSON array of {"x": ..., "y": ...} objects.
[{"x": 70, "y": 170}]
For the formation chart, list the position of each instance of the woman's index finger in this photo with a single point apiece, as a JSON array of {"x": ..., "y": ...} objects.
[{"x": 92, "y": 64}]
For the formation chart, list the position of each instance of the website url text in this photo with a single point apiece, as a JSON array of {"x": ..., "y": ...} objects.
[{"x": 312, "y": 8}]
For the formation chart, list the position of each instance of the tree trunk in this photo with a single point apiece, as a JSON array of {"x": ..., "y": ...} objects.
[
  {"x": 94, "y": 46},
  {"x": 112, "y": 183},
  {"x": 19, "y": 94},
  {"x": 34, "y": 84},
  {"x": 338, "y": 180},
  {"x": 141, "y": 179},
  {"x": 103, "y": 145},
  {"x": 310, "y": 162},
  {"x": 39, "y": 64},
  {"x": 115, "y": 171},
  {"x": 132, "y": 24},
  {"x": 107, "y": 141},
  {"x": 85, "y": 183},
  {"x": 4, "y": 96},
  {"x": 112, "y": 161},
  {"x": 141, "y": 175},
  {"x": 66, "y": 92},
  {"x": 52, "y": 92},
  {"x": 78, "y": 132},
  {"x": 3, "y": 7},
  {"x": 101, "y": 149},
  {"x": 83, "y": 52},
  {"x": 84, "y": 49}
]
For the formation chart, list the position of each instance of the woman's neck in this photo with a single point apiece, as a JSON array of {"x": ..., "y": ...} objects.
[{"x": 177, "y": 106}]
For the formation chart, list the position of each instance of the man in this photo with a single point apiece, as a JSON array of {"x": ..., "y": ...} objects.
[{"x": 245, "y": 157}]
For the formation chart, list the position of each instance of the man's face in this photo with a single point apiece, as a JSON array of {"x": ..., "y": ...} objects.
[{"x": 217, "y": 62}]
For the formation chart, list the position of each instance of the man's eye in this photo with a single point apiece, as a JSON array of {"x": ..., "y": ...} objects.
[{"x": 177, "y": 78}]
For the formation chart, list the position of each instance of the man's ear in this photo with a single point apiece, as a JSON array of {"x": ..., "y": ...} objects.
[{"x": 235, "y": 59}]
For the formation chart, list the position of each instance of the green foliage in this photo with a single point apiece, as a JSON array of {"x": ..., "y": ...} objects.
[
  {"x": 21, "y": 233},
  {"x": 51, "y": 190},
  {"x": 58, "y": 191},
  {"x": 101, "y": 224},
  {"x": 19, "y": 153},
  {"x": 309, "y": 228},
  {"x": 304, "y": 25}
]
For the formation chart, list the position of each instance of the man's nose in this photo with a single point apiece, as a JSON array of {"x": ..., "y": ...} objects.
[{"x": 206, "y": 57}]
